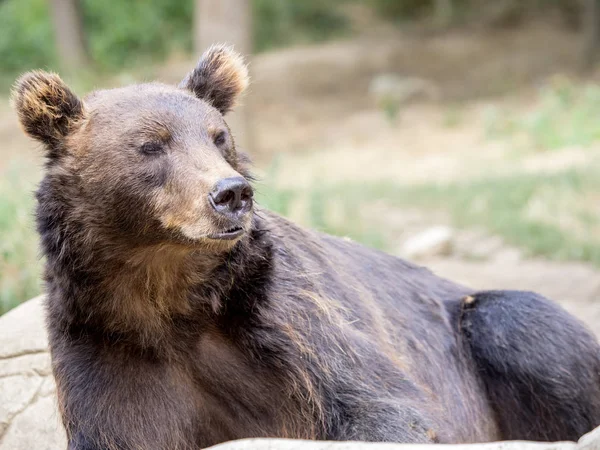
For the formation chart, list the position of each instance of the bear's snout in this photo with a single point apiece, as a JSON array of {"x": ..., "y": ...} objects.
[{"x": 232, "y": 197}]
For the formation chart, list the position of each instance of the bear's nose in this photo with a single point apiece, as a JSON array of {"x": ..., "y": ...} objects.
[{"x": 232, "y": 196}]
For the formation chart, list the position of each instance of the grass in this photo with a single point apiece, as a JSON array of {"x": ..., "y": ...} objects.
[
  {"x": 565, "y": 115},
  {"x": 19, "y": 263},
  {"x": 554, "y": 216},
  {"x": 317, "y": 209}
]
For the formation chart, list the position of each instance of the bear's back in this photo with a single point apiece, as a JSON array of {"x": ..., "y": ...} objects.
[{"x": 396, "y": 318}]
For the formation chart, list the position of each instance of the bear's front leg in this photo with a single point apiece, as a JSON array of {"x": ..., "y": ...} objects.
[{"x": 124, "y": 401}]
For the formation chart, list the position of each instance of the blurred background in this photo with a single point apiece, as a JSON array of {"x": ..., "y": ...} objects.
[{"x": 461, "y": 134}]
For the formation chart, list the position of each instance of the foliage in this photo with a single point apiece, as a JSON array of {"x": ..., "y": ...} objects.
[
  {"x": 19, "y": 263},
  {"x": 121, "y": 33},
  {"x": 316, "y": 208},
  {"x": 278, "y": 23},
  {"x": 566, "y": 115},
  {"x": 499, "y": 12},
  {"x": 402, "y": 10},
  {"x": 127, "y": 34},
  {"x": 551, "y": 215},
  {"x": 25, "y": 37}
]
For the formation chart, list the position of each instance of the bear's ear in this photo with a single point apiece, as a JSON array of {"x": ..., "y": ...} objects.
[
  {"x": 46, "y": 107},
  {"x": 219, "y": 78}
]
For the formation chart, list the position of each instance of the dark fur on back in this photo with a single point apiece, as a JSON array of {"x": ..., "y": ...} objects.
[
  {"x": 550, "y": 395},
  {"x": 164, "y": 335}
]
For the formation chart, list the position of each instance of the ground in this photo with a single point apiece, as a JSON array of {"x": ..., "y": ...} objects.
[{"x": 330, "y": 156}]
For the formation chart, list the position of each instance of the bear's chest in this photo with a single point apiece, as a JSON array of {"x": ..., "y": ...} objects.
[{"x": 238, "y": 396}]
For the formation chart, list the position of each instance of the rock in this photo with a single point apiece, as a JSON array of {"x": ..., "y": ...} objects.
[
  {"x": 590, "y": 441},
  {"x": 434, "y": 241},
  {"x": 391, "y": 87},
  {"x": 37, "y": 427},
  {"x": 48, "y": 387},
  {"x": 28, "y": 412},
  {"x": 27, "y": 364},
  {"x": 479, "y": 245},
  {"x": 23, "y": 330},
  {"x": 288, "y": 444},
  {"x": 16, "y": 392}
]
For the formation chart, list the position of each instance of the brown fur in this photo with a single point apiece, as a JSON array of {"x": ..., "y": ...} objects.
[
  {"x": 220, "y": 77},
  {"x": 164, "y": 337},
  {"x": 47, "y": 108}
]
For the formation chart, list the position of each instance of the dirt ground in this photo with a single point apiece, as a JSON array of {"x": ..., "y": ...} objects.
[{"x": 313, "y": 105}]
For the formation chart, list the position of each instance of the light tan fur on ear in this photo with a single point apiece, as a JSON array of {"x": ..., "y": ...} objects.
[
  {"x": 220, "y": 77},
  {"x": 46, "y": 106}
]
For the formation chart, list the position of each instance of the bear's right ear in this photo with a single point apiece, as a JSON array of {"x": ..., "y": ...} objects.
[{"x": 46, "y": 107}]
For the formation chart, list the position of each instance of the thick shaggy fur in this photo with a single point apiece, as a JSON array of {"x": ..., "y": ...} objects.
[
  {"x": 165, "y": 338},
  {"x": 220, "y": 77},
  {"x": 46, "y": 107}
]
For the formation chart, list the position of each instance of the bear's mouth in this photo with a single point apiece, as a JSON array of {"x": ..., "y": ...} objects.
[{"x": 227, "y": 235}]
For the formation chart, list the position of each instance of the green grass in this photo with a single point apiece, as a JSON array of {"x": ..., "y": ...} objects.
[
  {"x": 565, "y": 114},
  {"x": 319, "y": 210},
  {"x": 554, "y": 216},
  {"x": 19, "y": 263}
]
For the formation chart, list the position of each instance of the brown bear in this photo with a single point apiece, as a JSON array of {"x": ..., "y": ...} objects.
[{"x": 182, "y": 315}]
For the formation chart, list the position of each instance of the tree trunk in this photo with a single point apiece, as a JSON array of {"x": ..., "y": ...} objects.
[
  {"x": 591, "y": 31},
  {"x": 70, "y": 37},
  {"x": 229, "y": 22}
]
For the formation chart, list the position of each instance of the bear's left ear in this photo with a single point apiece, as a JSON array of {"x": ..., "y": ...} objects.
[
  {"x": 46, "y": 107},
  {"x": 219, "y": 78}
]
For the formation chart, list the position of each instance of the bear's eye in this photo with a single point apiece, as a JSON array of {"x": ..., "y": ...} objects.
[
  {"x": 220, "y": 139},
  {"x": 151, "y": 148}
]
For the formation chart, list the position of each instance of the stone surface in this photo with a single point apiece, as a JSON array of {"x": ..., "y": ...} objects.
[
  {"x": 37, "y": 427},
  {"x": 434, "y": 241},
  {"x": 28, "y": 412},
  {"x": 286, "y": 444},
  {"x": 16, "y": 392},
  {"x": 27, "y": 364},
  {"x": 22, "y": 330},
  {"x": 590, "y": 441},
  {"x": 401, "y": 89}
]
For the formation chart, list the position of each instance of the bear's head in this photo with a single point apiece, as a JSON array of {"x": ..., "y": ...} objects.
[{"x": 146, "y": 164}]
